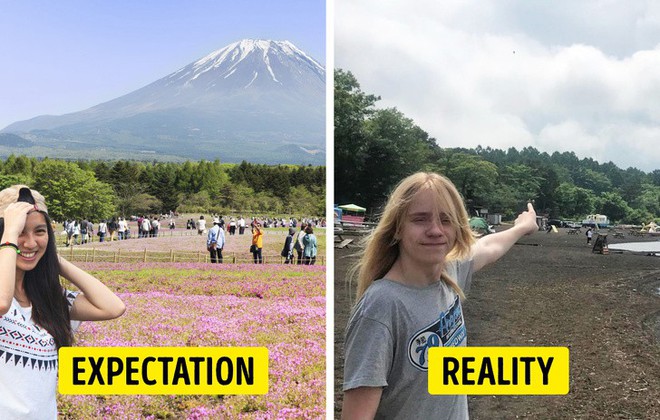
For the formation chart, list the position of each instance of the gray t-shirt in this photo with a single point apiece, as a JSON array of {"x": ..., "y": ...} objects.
[{"x": 387, "y": 341}]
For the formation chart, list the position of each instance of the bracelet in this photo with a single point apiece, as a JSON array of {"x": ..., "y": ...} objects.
[{"x": 10, "y": 245}]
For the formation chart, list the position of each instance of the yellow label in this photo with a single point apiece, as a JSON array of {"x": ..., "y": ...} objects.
[
  {"x": 163, "y": 370},
  {"x": 498, "y": 370}
]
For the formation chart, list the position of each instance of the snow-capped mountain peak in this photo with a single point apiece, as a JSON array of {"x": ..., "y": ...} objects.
[
  {"x": 262, "y": 57},
  {"x": 254, "y": 97}
]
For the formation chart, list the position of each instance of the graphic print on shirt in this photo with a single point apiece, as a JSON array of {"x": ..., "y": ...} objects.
[
  {"x": 23, "y": 343},
  {"x": 447, "y": 331}
]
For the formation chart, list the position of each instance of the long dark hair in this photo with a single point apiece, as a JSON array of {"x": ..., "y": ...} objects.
[{"x": 50, "y": 308}]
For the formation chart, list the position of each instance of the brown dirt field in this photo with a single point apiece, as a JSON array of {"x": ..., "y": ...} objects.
[{"x": 552, "y": 290}]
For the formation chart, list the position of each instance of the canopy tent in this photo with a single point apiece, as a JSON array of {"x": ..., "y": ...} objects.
[
  {"x": 352, "y": 207},
  {"x": 352, "y": 214}
]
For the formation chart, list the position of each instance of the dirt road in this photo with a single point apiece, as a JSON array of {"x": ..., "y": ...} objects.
[{"x": 551, "y": 290}]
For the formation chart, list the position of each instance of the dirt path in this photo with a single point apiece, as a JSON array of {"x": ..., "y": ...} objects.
[{"x": 551, "y": 290}]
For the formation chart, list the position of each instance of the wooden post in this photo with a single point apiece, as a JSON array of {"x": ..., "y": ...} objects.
[
  {"x": 71, "y": 256},
  {"x": 145, "y": 255},
  {"x": 93, "y": 254},
  {"x": 199, "y": 256}
]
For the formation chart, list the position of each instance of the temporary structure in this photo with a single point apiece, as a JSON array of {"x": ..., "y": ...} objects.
[
  {"x": 353, "y": 207},
  {"x": 352, "y": 213}
]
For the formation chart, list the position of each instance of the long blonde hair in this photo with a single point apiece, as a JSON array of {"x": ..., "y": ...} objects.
[{"x": 381, "y": 248}]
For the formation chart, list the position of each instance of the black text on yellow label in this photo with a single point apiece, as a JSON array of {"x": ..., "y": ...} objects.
[
  {"x": 498, "y": 370},
  {"x": 163, "y": 370}
]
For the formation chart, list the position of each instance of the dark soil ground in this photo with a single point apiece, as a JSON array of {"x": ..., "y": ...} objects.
[{"x": 552, "y": 290}]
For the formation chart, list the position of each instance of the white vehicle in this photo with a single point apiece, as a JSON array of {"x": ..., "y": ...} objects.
[{"x": 596, "y": 220}]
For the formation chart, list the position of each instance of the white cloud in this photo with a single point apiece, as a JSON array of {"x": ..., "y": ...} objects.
[{"x": 480, "y": 72}]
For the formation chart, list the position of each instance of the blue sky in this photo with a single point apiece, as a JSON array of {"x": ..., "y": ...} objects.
[{"x": 66, "y": 56}]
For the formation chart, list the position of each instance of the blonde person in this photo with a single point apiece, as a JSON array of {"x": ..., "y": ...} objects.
[
  {"x": 416, "y": 265},
  {"x": 36, "y": 311}
]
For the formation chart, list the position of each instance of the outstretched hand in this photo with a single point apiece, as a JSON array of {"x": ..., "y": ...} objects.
[
  {"x": 490, "y": 248},
  {"x": 527, "y": 220}
]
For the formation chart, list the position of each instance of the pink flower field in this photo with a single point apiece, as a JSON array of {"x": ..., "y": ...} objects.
[{"x": 277, "y": 306}]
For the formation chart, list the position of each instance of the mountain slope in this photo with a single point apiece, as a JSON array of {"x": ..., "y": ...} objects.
[{"x": 251, "y": 100}]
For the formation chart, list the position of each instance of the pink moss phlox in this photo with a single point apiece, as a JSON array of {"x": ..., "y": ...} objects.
[{"x": 194, "y": 306}]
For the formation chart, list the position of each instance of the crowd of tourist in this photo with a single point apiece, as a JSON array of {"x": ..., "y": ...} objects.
[
  {"x": 300, "y": 246},
  {"x": 117, "y": 228}
]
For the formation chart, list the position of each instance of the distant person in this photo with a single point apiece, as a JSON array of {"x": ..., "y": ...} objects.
[
  {"x": 146, "y": 227},
  {"x": 590, "y": 234},
  {"x": 414, "y": 268},
  {"x": 241, "y": 225},
  {"x": 309, "y": 246},
  {"x": 215, "y": 242},
  {"x": 201, "y": 225},
  {"x": 112, "y": 228},
  {"x": 103, "y": 229},
  {"x": 76, "y": 233},
  {"x": 155, "y": 226},
  {"x": 257, "y": 242},
  {"x": 298, "y": 245},
  {"x": 83, "y": 231},
  {"x": 90, "y": 231},
  {"x": 287, "y": 250},
  {"x": 122, "y": 226},
  {"x": 69, "y": 227}
]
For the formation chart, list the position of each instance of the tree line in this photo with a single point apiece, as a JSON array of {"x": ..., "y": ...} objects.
[
  {"x": 100, "y": 189},
  {"x": 375, "y": 148}
]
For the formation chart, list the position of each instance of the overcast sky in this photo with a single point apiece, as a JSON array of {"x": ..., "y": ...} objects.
[
  {"x": 65, "y": 56},
  {"x": 581, "y": 76}
]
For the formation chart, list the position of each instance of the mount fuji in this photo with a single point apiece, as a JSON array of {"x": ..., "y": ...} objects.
[{"x": 257, "y": 100}]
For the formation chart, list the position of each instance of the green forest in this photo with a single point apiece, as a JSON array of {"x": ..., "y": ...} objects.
[
  {"x": 100, "y": 189},
  {"x": 375, "y": 148}
]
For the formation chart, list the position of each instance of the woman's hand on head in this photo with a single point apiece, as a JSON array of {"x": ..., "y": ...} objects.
[
  {"x": 15, "y": 217},
  {"x": 527, "y": 220}
]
